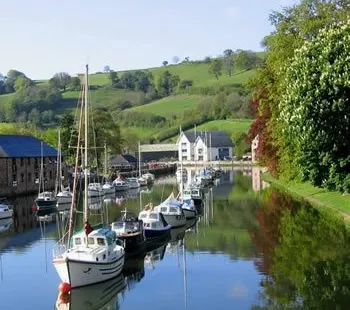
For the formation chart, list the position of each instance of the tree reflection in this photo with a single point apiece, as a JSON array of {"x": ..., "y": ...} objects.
[{"x": 306, "y": 255}]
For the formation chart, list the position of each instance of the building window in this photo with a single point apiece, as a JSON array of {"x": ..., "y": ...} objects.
[
  {"x": 28, "y": 161},
  {"x": 37, "y": 175},
  {"x": 44, "y": 174},
  {"x": 200, "y": 157},
  {"x": 14, "y": 177},
  {"x": 183, "y": 144},
  {"x": 184, "y": 150},
  {"x": 22, "y": 161},
  {"x": 13, "y": 161},
  {"x": 184, "y": 157},
  {"x": 50, "y": 174},
  {"x": 200, "y": 151},
  {"x": 22, "y": 177},
  {"x": 29, "y": 177}
]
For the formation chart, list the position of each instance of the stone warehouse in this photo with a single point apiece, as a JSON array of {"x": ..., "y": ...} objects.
[{"x": 20, "y": 165}]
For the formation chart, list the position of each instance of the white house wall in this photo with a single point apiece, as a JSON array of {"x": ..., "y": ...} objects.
[
  {"x": 184, "y": 144},
  {"x": 200, "y": 151}
]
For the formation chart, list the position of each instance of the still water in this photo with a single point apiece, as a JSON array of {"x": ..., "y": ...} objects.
[{"x": 251, "y": 248}]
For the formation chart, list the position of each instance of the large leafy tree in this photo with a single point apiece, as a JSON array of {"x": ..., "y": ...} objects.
[
  {"x": 315, "y": 109},
  {"x": 60, "y": 80},
  {"x": 292, "y": 27}
]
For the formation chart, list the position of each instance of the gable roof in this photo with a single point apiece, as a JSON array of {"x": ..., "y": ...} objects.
[
  {"x": 190, "y": 135},
  {"x": 215, "y": 138},
  {"x": 123, "y": 159},
  {"x": 24, "y": 146}
]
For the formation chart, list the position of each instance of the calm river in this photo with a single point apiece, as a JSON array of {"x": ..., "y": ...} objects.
[{"x": 251, "y": 248}]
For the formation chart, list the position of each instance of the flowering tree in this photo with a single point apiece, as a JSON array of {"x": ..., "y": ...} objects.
[{"x": 315, "y": 108}]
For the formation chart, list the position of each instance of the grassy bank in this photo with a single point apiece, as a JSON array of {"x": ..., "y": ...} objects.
[{"x": 319, "y": 197}]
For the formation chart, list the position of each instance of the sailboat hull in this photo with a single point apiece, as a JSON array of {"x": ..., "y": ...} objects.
[
  {"x": 64, "y": 199},
  {"x": 80, "y": 273},
  {"x": 175, "y": 220}
]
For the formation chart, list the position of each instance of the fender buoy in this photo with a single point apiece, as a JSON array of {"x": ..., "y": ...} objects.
[{"x": 64, "y": 287}]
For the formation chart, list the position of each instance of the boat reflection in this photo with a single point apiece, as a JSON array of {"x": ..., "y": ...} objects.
[
  {"x": 93, "y": 297},
  {"x": 155, "y": 256},
  {"x": 134, "y": 270},
  {"x": 5, "y": 224}
]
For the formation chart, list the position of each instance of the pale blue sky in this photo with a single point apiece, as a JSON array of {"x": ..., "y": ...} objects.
[{"x": 41, "y": 37}]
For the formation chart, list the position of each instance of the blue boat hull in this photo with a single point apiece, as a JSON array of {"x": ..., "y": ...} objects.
[{"x": 156, "y": 234}]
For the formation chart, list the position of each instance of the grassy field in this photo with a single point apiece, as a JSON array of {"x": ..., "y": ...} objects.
[
  {"x": 335, "y": 201},
  {"x": 228, "y": 126},
  {"x": 169, "y": 106},
  {"x": 198, "y": 72}
]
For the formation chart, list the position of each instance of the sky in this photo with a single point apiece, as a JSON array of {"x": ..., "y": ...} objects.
[{"x": 42, "y": 37}]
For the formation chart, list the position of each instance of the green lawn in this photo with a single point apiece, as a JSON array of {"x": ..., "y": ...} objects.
[
  {"x": 334, "y": 201},
  {"x": 169, "y": 106},
  {"x": 229, "y": 126}
]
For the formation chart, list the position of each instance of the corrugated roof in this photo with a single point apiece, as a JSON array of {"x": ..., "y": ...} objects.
[
  {"x": 218, "y": 138},
  {"x": 158, "y": 148},
  {"x": 24, "y": 146}
]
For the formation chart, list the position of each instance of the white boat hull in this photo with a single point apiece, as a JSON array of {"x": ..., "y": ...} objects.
[
  {"x": 64, "y": 199},
  {"x": 79, "y": 273},
  {"x": 6, "y": 214},
  {"x": 108, "y": 190},
  {"x": 175, "y": 220},
  {"x": 95, "y": 193}
]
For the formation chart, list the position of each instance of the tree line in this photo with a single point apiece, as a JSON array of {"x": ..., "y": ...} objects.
[{"x": 301, "y": 95}]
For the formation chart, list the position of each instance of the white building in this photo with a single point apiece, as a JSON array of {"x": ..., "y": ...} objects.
[
  {"x": 255, "y": 144},
  {"x": 204, "y": 146}
]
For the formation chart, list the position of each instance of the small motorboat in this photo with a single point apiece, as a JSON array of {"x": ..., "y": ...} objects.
[
  {"x": 95, "y": 190},
  {"x": 133, "y": 182},
  {"x": 130, "y": 230},
  {"x": 46, "y": 200},
  {"x": 120, "y": 185},
  {"x": 172, "y": 211},
  {"x": 154, "y": 224}
]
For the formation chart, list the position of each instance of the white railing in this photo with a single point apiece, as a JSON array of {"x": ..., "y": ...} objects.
[{"x": 58, "y": 250}]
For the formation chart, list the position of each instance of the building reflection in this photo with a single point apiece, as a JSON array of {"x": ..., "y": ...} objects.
[
  {"x": 257, "y": 181},
  {"x": 23, "y": 217}
]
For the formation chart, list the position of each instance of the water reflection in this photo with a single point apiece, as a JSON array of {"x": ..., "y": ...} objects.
[
  {"x": 249, "y": 249},
  {"x": 99, "y": 296}
]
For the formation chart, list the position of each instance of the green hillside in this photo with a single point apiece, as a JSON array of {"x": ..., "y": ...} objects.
[
  {"x": 229, "y": 126},
  {"x": 169, "y": 106}
]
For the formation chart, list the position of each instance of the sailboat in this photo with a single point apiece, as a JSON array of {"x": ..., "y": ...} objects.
[
  {"x": 188, "y": 205},
  {"x": 46, "y": 200},
  {"x": 93, "y": 254},
  {"x": 63, "y": 195},
  {"x": 108, "y": 188},
  {"x": 141, "y": 180}
]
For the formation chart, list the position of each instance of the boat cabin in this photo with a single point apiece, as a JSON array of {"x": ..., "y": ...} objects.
[
  {"x": 96, "y": 238},
  {"x": 153, "y": 220},
  {"x": 126, "y": 227}
]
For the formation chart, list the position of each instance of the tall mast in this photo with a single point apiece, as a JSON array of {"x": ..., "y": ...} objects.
[
  {"x": 139, "y": 160},
  {"x": 42, "y": 168},
  {"x": 105, "y": 166},
  {"x": 182, "y": 171},
  {"x": 86, "y": 169},
  {"x": 58, "y": 175}
]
